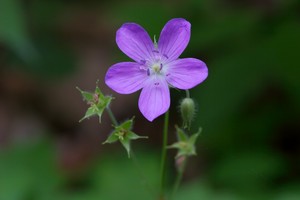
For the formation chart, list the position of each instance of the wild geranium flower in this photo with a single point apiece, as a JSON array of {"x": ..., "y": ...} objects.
[{"x": 156, "y": 67}]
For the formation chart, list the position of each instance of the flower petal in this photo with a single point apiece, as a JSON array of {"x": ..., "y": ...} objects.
[
  {"x": 174, "y": 38},
  {"x": 155, "y": 98},
  {"x": 186, "y": 73},
  {"x": 125, "y": 77},
  {"x": 135, "y": 42}
]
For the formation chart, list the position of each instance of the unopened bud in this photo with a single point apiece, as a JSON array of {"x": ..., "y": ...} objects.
[{"x": 187, "y": 109}]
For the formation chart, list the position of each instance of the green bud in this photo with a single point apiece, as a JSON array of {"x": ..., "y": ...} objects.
[{"x": 187, "y": 109}]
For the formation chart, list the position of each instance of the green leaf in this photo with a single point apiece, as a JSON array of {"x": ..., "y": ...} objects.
[{"x": 13, "y": 31}]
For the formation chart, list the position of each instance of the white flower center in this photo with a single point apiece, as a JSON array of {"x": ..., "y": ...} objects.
[{"x": 156, "y": 68}]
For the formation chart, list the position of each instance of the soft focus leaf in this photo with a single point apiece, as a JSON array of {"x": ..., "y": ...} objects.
[
  {"x": 248, "y": 170},
  {"x": 24, "y": 169},
  {"x": 13, "y": 29}
]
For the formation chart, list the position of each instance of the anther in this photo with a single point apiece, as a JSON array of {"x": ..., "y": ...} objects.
[
  {"x": 148, "y": 72},
  {"x": 161, "y": 66}
]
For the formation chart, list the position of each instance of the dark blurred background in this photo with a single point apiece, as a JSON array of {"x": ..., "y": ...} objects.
[{"x": 249, "y": 106}]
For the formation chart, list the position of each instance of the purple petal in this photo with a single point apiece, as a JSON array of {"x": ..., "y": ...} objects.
[
  {"x": 186, "y": 73},
  {"x": 135, "y": 42},
  {"x": 125, "y": 77},
  {"x": 174, "y": 38},
  {"x": 155, "y": 98}
]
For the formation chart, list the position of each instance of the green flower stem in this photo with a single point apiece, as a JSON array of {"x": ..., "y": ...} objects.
[
  {"x": 187, "y": 94},
  {"x": 135, "y": 160},
  {"x": 112, "y": 116},
  {"x": 163, "y": 155},
  {"x": 180, "y": 173}
]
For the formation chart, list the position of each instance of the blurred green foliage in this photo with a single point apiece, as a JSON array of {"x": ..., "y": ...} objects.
[
  {"x": 13, "y": 28},
  {"x": 45, "y": 55},
  {"x": 248, "y": 107},
  {"x": 28, "y": 171}
]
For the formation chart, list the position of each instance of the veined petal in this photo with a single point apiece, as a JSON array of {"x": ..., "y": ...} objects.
[
  {"x": 155, "y": 98},
  {"x": 174, "y": 38},
  {"x": 186, "y": 73},
  {"x": 125, "y": 77},
  {"x": 135, "y": 42}
]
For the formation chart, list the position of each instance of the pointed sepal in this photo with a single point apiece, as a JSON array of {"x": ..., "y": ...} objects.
[
  {"x": 185, "y": 144},
  {"x": 155, "y": 42},
  {"x": 124, "y": 134},
  {"x": 97, "y": 102}
]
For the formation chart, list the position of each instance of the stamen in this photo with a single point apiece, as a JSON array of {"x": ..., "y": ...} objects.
[
  {"x": 155, "y": 51},
  {"x": 157, "y": 83},
  {"x": 161, "y": 66},
  {"x": 148, "y": 72},
  {"x": 142, "y": 62},
  {"x": 165, "y": 56},
  {"x": 143, "y": 65}
]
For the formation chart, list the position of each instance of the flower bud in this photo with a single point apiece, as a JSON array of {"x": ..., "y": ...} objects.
[{"x": 187, "y": 109}]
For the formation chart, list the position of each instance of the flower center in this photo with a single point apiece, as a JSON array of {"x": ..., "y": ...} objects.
[
  {"x": 156, "y": 68},
  {"x": 153, "y": 66}
]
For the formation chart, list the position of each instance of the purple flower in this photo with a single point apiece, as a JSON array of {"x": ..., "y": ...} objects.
[{"x": 156, "y": 66}]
